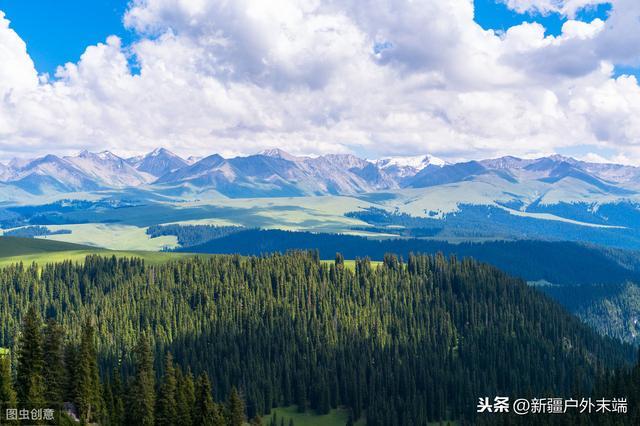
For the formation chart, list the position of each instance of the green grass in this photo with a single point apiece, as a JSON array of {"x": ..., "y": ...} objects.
[
  {"x": 112, "y": 236},
  {"x": 337, "y": 417},
  {"x": 11, "y": 247},
  {"x": 351, "y": 264},
  {"x": 29, "y": 250}
]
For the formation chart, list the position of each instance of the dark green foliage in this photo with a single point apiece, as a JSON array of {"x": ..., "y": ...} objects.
[
  {"x": 566, "y": 263},
  {"x": 34, "y": 231},
  {"x": 7, "y": 393},
  {"x": 71, "y": 360},
  {"x": 192, "y": 235},
  {"x": 621, "y": 384},
  {"x": 234, "y": 411},
  {"x": 616, "y": 315},
  {"x": 206, "y": 412},
  {"x": 116, "y": 413},
  {"x": 167, "y": 409},
  {"x": 142, "y": 395},
  {"x": 29, "y": 378},
  {"x": 185, "y": 397},
  {"x": 405, "y": 342},
  {"x": 54, "y": 373},
  {"x": 103, "y": 403},
  {"x": 88, "y": 397}
]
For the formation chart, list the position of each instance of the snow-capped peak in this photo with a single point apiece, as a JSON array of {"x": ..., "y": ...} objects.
[
  {"x": 160, "y": 151},
  {"x": 278, "y": 153},
  {"x": 418, "y": 162},
  {"x": 108, "y": 169},
  {"x": 102, "y": 155},
  {"x": 107, "y": 155}
]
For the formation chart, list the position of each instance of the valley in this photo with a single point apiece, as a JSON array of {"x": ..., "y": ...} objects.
[
  {"x": 569, "y": 229},
  {"x": 554, "y": 198}
]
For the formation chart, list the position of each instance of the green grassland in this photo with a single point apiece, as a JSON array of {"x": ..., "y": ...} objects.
[
  {"x": 37, "y": 250},
  {"x": 112, "y": 236},
  {"x": 351, "y": 264},
  {"x": 29, "y": 250},
  {"x": 12, "y": 247}
]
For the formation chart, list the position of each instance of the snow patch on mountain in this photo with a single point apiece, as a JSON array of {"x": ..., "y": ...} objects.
[{"x": 109, "y": 169}]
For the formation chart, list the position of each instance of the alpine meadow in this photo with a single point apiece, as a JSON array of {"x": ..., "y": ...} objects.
[{"x": 320, "y": 212}]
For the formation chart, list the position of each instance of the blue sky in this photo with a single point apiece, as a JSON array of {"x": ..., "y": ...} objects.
[
  {"x": 495, "y": 15},
  {"x": 57, "y": 32}
]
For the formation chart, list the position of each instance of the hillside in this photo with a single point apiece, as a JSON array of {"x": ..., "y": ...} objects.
[
  {"x": 13, "y": 246},
  {"x": 405, "y": 343},
  {"x": 560, "y": 263},
  {"x": 27, "y": 250}
]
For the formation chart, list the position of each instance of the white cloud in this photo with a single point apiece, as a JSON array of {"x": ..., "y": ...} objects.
[
  {"x": 17, "y": 71},
  {"x": 563, "y": 7},
  {"x": 237, "y": 77}
]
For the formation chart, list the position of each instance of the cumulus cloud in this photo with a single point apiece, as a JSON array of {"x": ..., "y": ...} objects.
[
  {"x": 17, "y": 71},
  {"x": 310, "y": 76}
]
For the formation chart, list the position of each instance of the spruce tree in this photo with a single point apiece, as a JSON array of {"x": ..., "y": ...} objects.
[
  {"x": 117, "y": 416},
  {"x": 8, "y": 395},
  {"x": 235, "y": 408},
  {"x": 166, "y": 412},
  {"x": 142, "y": 395},
  {"x": 71, "y": 372},
  {"x": 185, "y": 397},
  {"x": 29, "y": 377},
  {"x": 89, "y": 392},
  {"x": 54, "y": 362},
  {"x": 206, "y": 412}
]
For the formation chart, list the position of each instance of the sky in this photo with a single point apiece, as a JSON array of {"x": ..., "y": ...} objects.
[{"x": 459, "y": 79}]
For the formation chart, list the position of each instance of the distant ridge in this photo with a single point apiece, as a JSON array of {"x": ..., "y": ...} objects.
[
  {"x": 14, "y": 246},
  {"x": 276, "y": 173}
]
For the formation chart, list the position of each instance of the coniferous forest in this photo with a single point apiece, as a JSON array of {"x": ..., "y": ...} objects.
[{"x": 222, "y": 340}]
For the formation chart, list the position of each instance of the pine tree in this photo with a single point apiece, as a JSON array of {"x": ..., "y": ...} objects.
[
  {"x": 166, "y": 402},
  {"x": 235, "y": 408},
  {"x": 71, "y": 372},
  {"x": 54, "y": 362},
  {"x": 142, "y": 395},
  {"x": 30, "y": 380},
  {"x": 89, "y": 392},
  {"x": 185, "y": 397},
  {"x": 108, "y": 401},
  {"x": 117, "y": 416},
  {"x": 206, "y": 412},
  {"x": 7, "y": 393}
]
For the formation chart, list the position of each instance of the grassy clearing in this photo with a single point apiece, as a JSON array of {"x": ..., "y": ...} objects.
[
  {"x": 10, "y": 246},
  {"x": 113, "y": 237},
  {"x": 337, "y": 417},
  {"x": 29, "y": 250},
  {"x": 351, "y": 264},
  {"x": 80, "y": 255},
  {"x": 38, "y": 250}
]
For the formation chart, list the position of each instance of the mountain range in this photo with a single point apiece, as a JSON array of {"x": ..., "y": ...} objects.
[
  {"x": 269, "y": 173},
  {"x": 277, "y": 173}
]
